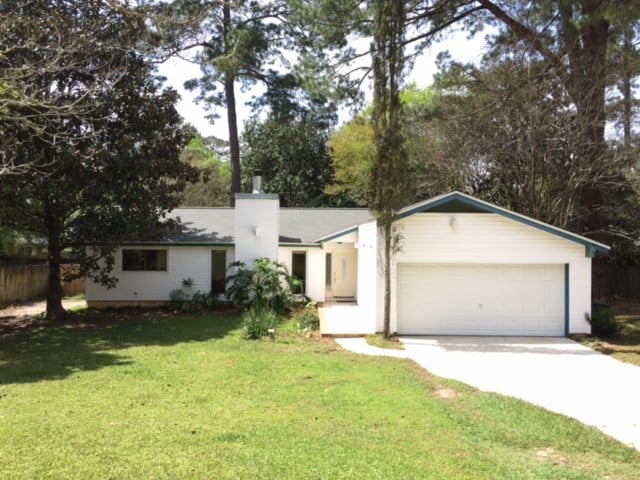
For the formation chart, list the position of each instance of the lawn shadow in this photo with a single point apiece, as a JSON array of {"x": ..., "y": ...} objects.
[{"x": 95, "y": 340}]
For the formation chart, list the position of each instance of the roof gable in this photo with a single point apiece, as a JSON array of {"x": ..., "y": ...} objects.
[{"x": 457, "y": 202}]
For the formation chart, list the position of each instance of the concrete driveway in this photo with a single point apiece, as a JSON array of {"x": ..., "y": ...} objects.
[{"x": 555, "y": 373}]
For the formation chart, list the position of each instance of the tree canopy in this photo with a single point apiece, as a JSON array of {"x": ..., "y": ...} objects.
[
  {"x": 214, "y": 173},
  {"x": 109, "y": 158},
  {"x": 291, "y": 152}
]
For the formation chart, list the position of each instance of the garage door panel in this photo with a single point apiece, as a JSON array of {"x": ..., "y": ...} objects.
[{"x": 481, "y": 299}]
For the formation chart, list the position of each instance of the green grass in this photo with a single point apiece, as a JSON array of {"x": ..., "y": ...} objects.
[
  {"x": 161, "y": 397},
  {"x": 379, "y": 341},
  {"x": 79, "y": 296},
  {"x": 625, "y": 346}
]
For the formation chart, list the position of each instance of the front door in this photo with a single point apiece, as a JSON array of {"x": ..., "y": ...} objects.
[{"x": 343, "y": 272}]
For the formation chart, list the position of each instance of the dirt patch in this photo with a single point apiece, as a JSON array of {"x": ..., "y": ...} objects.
[
  {"x": 37, "y": 308},
  {"x": 18, "y": 318},
  {"x": 550, "y": 454},
  {"x": 624, "y": 306},
  {"x": 448, "y": 393}
]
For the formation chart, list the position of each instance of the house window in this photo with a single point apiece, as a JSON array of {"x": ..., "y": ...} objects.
[
  {"x": 218, "y": 270},
  {"x": 299, "y": 270},
  {"x": 144, "y": 260},
  {"x": 327, "y": 271}
]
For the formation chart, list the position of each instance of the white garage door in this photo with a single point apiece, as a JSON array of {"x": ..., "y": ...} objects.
[{"x": 481, "y": 300}]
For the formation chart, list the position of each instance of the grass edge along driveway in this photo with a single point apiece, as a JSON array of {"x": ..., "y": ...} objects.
[{"x": 153, "y": 395}]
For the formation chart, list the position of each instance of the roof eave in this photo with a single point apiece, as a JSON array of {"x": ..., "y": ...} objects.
[{"x": 591, "y": 246}]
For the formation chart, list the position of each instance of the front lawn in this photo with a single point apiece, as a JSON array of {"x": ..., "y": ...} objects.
[
  {"x": 625, "y": 345},
  {"x": 162, "y": 397}
]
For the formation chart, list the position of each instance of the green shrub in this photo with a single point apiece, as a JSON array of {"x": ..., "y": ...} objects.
[
  {"x": 177, "y": 298},
  {"x": 603, "y": 323},
  {"x": 196, "y": 302},
  {"x": 257, "y": 321},
  {"x": 268, "y": 285},
  {"x": 307, "y": 319}
]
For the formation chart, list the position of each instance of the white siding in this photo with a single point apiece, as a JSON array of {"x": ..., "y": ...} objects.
[
  {"x": 315, "y": 269},
  {"x": 182, "y": 262},
  {"x": 257, "y": 219},
  {"x": 485, "y": 238},
  {"x": 367, "y": 276}
]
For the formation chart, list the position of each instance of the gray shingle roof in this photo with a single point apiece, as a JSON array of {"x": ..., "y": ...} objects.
[
  {"x": 297, "y": 225},
  {"x": 306, "y": 225}
]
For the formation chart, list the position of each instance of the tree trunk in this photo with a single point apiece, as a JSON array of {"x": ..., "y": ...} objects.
[
  {"x": 627, "y": 96},
  {"x": 588, "y": 79},
  {"x": 232, "y": 119},
  {"x": 55, "y": 311},
  {"x": 234, "y": 142},
  {"x": 387, "y": 278}
]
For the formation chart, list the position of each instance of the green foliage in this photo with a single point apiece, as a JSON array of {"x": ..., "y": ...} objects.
[
  {"x": 214, "y": 175},
  {"x": 603, "y": 322},
  {"x": 257, "y": 321},
  {"x": 352, "y": 151},
  {"x": 110, "y": 156},
  {"x": 390, "y": 180},
  {"x": 186, "y": 301},
  {"x": 429, "y": 170},
  {"x": 267, "y": 286},
  {"x": 177, "y": 298},
  {"x": 239, "y": 42},
  {"x": 291, "y": 152},
  {"x": 293, "y": 410},
  {"x": 307, "y": 318}
]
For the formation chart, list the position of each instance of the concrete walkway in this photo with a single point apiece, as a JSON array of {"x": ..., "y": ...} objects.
[
  {"x": 360, "y": 345},
  {"x": 554, "y": 373}
]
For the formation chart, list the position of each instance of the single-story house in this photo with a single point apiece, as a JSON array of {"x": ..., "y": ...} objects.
[{"x": 465, "y": 267}]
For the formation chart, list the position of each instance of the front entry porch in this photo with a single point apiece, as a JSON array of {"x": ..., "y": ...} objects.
[
  {"x": 340, "y": 319},
  {"x": 341, "y": 275}
]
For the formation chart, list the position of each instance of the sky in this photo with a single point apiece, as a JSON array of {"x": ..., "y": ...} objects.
[{"x": 179, "y": 71}]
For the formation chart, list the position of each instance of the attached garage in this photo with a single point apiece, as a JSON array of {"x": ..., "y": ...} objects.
[
  {"x": 481, "y": 299},
  {"x": 467, "y": 267}
]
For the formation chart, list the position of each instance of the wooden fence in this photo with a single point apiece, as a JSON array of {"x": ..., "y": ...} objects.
[
  {"x": 611, "y": 280},
  {"x": 19, "y": 283}
]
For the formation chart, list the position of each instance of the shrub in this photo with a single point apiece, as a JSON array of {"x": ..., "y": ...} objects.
[
  {"x": 177, "y": 298},
  {"x": 307, "y": 319},
  {"x": 268, "y": 285},
  {"x": 196, "y": 302},
  {"x": 201, "y": 302},
  {"x": 603, "y": 323},
  {"x": 257, "y": 321}
]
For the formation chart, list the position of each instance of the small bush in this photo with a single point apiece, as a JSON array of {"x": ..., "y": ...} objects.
[
  {"x": 201, "y": 302},
  {"x": 177, "y": 298},
  {"x": 196, "y": 302},
  {"x": 307, "y": 319},
  {"x": 603, "y": 323},
  {"x": 257, "y": 320},
  {"x": 268, "y": 285}
]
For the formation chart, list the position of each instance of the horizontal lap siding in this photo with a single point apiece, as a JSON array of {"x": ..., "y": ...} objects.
[
  {"x": 479, "y": 238},
  {"x": 315, "y": 269},
  {"x": 183, "y": 262},
  {"x": 367, "y": 276}
]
